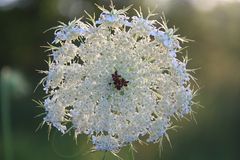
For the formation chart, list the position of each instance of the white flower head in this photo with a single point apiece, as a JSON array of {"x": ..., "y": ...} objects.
[
  {"x": 116, "y": 80},
  {"x": 113, "y": 18}
]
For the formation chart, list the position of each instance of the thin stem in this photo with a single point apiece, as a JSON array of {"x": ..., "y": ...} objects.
[
  {"x": 6, "y": 121},
  {"x": 131, "y": 150},
  {"x": 132, "y": 154},
  {"x": 104, "y": 155}
]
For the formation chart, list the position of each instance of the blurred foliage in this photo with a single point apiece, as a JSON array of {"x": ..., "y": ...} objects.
[{"x": 215, "y": 50}]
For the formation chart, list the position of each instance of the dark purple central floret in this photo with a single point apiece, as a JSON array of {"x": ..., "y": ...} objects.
[{"x": 118, "y": 81}]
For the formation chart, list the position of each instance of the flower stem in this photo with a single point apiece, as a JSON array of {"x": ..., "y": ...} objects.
[
  {"x": 104, "y": 155},
  {"x": 6, "y": 121},
  {"x": 131, "y": 150}
]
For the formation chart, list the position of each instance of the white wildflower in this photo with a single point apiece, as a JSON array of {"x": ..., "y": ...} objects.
[
  {"x": 114, "y": 17},
  {"x": 70, "y": 32},
  {"x": 116, "y": 80}
]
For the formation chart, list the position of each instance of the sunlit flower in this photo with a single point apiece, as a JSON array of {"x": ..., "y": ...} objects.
[{"x": 117, "y": 79}]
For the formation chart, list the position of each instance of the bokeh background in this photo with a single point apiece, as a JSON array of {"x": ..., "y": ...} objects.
[{"x": 214, "y": 25}]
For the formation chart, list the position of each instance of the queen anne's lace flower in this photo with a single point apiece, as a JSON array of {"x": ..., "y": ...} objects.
[{"x": 116, "y": 80}]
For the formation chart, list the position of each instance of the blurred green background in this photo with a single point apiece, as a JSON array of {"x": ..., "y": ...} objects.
[{"x": 213, "y": 24}]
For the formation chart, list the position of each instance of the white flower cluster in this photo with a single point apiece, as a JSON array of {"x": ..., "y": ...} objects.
[{"x": 116, "y": 79}]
